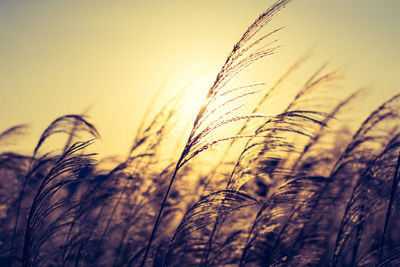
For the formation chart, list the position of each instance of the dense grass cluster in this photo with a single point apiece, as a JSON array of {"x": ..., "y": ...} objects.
[{"x": 293, "y": 187}]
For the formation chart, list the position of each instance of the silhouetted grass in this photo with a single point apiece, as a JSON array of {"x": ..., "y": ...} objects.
[{"x": 293, "y": 188}]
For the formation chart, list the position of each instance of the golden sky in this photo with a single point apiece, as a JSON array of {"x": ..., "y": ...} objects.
[{"x": 60, "y": 57}]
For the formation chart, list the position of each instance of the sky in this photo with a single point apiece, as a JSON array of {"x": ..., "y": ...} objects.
[{"x": 110, "y": 57}]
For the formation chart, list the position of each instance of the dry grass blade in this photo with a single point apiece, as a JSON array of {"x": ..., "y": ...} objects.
[
  {"x": 396, "y": 178},
  {"x": 11, "y": 133},
  {"x": 366, "y": 198},
  {"x": 146, "y": 144},
  {"x": 64, "y": 171},
  {"x": 389, "y": 110},
  {"x": 272, "y": 142},
  {"x": 256, "y": 109},
  {"x": 189, "y": 240},
  {"x": 67, "y": 124},
  {"x": 274, "y": 227},
  {"x": 314, "y": 140},
  {"x": 292, "y": 120},
  {"x": 391, "y": 260}
]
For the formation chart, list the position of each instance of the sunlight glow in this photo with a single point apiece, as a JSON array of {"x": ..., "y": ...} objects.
[{"x": 194, "y": 97}]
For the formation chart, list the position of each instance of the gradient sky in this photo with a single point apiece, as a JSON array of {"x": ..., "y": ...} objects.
[{"x": 59, "y": 57}]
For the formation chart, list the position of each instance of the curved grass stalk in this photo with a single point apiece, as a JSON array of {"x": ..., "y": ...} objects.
[
  {"x": 396, "y": 179},
  {"x": 65, "y": 165},
  {"x": 60, "y": 125}
]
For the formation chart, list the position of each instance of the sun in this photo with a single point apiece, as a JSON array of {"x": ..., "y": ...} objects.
[{"x": 194, "y": 96}]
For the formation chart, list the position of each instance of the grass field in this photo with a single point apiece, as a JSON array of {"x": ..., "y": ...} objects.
[{"x": 243, "y": 185}]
